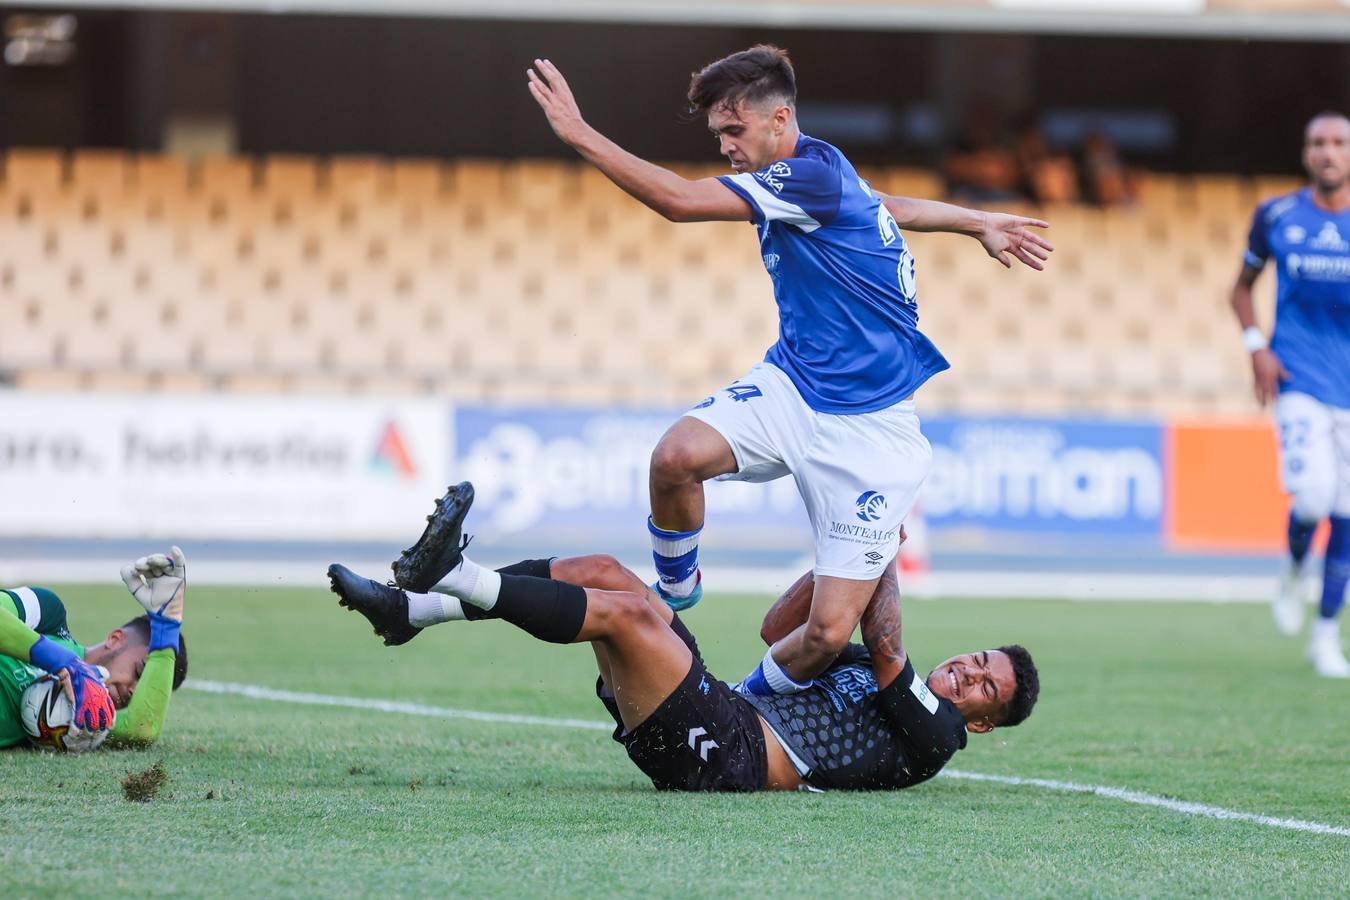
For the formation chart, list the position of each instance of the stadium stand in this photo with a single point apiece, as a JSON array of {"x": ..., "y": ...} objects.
[{"x": 539, "y": 281}]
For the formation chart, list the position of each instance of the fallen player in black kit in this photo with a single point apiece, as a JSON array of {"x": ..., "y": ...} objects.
[{"x": 869, "y": 722}]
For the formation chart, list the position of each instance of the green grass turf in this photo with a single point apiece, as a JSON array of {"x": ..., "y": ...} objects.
[{"x": 1198, "y": 702}]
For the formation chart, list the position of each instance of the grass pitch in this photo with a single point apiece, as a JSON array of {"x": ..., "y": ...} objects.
[{"x": 1195, "y": 702}]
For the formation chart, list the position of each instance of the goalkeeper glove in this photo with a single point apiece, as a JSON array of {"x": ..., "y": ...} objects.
[
  {"x": 94, "y": 709},
  {"x": 769, "y": 679},
  {"x": 158, "y": 582}
]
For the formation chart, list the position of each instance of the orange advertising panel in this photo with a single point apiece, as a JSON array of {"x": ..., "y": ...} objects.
[{"x": 1224, "y": 486}]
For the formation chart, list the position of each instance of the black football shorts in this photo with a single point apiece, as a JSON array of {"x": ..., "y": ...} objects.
[{"x": 703, "y": 737}]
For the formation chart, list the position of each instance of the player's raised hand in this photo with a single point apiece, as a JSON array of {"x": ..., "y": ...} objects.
[
  {"x": 1267, "y": 372},
  {"x": 158, "y": 582},
  {"x": 550, "y": 91},
  {"x": 1006, "y": 237}
]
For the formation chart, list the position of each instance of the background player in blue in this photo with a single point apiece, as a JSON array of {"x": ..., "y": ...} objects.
[
  {"x": 1305, "y": 370},
  {"x": 832, "y": 402}
]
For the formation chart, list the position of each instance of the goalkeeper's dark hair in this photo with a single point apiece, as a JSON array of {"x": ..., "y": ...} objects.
[
  {"x": 1019, "y": 705},
  {"x": 140, "y": 626},
  {"x": 750, "y": 76}
]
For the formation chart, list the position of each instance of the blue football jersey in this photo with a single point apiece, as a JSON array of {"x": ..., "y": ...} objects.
[
  {"x": 1311, "y": 248},
  {"x": 848, "y": 333}
]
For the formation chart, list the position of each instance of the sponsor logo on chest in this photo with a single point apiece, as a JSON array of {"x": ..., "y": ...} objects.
[
  {"x": 1329, "y": 238},
  {"x": 1318, "y": 267}
]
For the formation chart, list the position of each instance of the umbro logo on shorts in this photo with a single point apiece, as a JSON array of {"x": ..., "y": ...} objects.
[{"x": 873, "y": 557}]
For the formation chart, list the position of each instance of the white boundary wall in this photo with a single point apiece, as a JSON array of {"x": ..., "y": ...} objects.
[
  {"x": 1047, "y": 585},
  {"x": 220, "y": 466},
  {"x": 338, "y": 471}
]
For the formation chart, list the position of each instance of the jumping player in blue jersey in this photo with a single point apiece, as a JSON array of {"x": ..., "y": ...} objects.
[
  {"x": 1305, "y": 370},
  {"x": 832, "y": 402}
]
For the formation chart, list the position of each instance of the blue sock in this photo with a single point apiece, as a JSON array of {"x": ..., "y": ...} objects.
[
  {"x": 1337, "y": 573},
  {"x": 1300, "y": 538},
  {"x": 676, "y": 556}
]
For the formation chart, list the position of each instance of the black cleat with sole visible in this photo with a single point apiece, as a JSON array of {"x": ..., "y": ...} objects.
[
  {"x": 385, "y": 607},
  {"x": 441, "y": 547}
]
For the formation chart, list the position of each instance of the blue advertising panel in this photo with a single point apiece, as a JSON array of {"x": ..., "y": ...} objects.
[
  {"x": 1045, "y": 475},
  {"x": 568, "y": 478},
  {"x": 578, "y": 477}
]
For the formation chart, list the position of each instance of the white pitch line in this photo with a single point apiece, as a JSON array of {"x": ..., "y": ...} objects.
[
  {"x": 394, "y": 706},
  {"x": 1128, "y": 796},
  {"x": 1124, "y": 795}
]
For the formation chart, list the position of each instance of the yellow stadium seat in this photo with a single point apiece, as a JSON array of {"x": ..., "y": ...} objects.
[
  {"x": 40, "y": 171},
  {"x": 418, "y": 179},
  {"x": 34, "y": 186},
  {"x": 539, "y": 281}
]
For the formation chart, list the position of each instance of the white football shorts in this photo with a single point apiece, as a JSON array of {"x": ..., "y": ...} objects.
[
  {"x": 858, "y": 475},
  {"x": 1314, "y": 455}
]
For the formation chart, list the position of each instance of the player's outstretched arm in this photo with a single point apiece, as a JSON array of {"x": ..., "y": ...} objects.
[
  {"x": 159, "y": 584},
  {"x": 880, "y": 626},
  {"x": 673, "y": 196},
  {"x": 1267, "y": 370},
  {"x": 82, "y": 684},
  {"x": 1005, "y": 237},
  {"x": 140, "y": 724},
  {"x": 15, "y": 637}
]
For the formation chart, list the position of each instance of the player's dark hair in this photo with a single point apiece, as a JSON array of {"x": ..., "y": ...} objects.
[
  {"x": 1028, "y": 686},
  {"x": 140, "y": 626},
  {"x": 750, "y": 76}
]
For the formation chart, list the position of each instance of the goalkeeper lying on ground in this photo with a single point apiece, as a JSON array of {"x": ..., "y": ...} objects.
[
  {"x": 867, "y": 722},
  {"x": 146, "y": 658}
]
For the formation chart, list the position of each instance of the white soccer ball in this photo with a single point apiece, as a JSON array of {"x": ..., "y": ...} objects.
[{"x": 48, "y": 715}]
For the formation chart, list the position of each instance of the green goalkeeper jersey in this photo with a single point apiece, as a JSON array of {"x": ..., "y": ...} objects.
[
  {"x": 43, "y": 612},
  {"x": 26, "y": 613}
]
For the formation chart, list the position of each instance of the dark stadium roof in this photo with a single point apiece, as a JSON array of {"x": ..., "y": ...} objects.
[{"x": 1320, "y": 20}]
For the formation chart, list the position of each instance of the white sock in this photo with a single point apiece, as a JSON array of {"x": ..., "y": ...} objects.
[
  {"x": 472, "y": 583},
  {"x": 432, "y": 609},
  {"x": 1328, "y": 630},
  {"x": 681, "y": 588},
  {"x": 667, "y": 549}
]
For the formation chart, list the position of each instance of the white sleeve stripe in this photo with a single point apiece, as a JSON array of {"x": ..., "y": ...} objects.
[
  {"x": 32, "y": 609},
  {"x": 920, "y": 690},
  {"x": 774, "y": 207}
]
